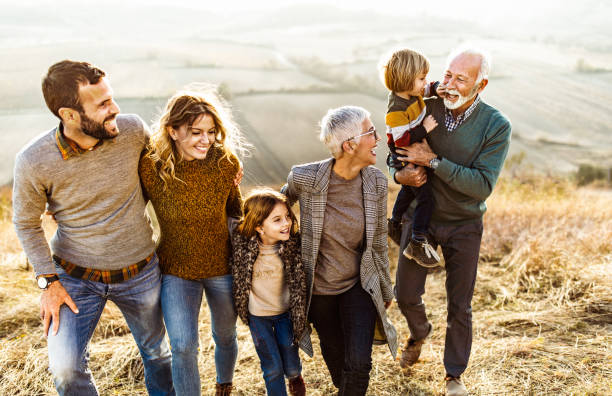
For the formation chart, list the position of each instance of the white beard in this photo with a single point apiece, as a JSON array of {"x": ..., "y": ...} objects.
[{"x": 461, "y": 100}]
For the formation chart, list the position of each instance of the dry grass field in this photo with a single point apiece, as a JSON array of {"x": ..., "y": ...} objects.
[{"x": 542, "y": 311}]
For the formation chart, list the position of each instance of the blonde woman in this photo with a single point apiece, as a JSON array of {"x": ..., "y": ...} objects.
[{"x": 189, "y": 174}]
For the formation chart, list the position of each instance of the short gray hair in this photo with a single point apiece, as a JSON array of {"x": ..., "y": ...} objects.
[
  {"x": 468, "y": 49},
  {"x": 341, "y": 124}
]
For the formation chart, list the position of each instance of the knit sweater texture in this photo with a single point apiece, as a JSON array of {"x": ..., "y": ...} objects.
[
  {"x": 192, "y": 213},
  {"x": 95, "y": 197},
  {"x": 473, "y": 156},
  {"x": 404, "y": 118}
]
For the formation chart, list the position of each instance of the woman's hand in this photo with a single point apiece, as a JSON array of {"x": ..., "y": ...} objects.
[
  {"x": 239, "y": 174},
  {"x": 411, "y": 175}
]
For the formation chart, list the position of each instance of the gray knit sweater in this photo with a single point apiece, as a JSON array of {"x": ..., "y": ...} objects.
[{"x": 96, "y": 198}]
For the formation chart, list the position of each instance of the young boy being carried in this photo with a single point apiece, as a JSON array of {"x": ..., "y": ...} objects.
[{"x": 404, "y": 74}]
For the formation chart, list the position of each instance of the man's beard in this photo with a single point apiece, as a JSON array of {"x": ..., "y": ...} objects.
[
  {"x": 97, "y": 129},
  {"x": 461, "y": 100}
]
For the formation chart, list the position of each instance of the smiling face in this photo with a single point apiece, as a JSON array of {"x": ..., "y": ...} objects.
[
  {"x": 365, "y": 149},
  {"x": 461, "y": 82},
  {"x": 277, "y": 226},
  {"x": 98, "y": 118},
  {"x": 193, "y": 142},
  {"x": 418, "y": 88}
]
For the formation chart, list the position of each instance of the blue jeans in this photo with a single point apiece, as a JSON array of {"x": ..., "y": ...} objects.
[
  {"x": 181, "y": 300},
  {"x": 138, "y": 300},
  {"x": 345, "y": 325},
  {"x": 278, "y": 356}
]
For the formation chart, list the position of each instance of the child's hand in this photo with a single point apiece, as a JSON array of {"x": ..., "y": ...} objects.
[
  {"x": 430, "y": 123},
  {"x": 441, "y": 91}
]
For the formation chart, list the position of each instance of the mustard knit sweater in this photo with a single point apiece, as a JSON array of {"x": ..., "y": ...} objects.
[{"x": 192, "y": 214}]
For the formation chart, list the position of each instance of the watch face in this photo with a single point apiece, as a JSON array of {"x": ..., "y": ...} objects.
[{"x": 42, "y": 282}]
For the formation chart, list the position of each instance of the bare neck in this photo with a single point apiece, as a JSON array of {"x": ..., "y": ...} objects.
[{"x": 346, "y": 168}]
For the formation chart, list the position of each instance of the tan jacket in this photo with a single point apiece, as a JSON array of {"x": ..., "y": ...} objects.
[{"x": 308, "y": 184}]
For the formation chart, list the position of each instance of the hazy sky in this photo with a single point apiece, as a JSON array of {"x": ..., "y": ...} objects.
[
  {"x": 510, "y": 17},
  {"x": 473, "y": 9}
]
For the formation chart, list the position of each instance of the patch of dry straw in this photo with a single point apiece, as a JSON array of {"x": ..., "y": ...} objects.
[{"x": 542, "y": 312}]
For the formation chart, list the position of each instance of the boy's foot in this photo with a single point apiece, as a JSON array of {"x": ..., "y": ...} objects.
[
  {"x": 297, "y": 387},
  {"x": 455, "y": 387},
  {"x": 423, "y": 253},
  {"x": 412, "y": 350},
  {"x": 394, "y": 229}
]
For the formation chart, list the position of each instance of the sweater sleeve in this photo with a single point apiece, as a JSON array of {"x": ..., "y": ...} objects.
[
  {"x": 478, "y": 180},
  {"x": 29, "y": 201},
  {"x": 233, "y": 207},
  {"x": 398, "y": 119},
  {"x": 144, "y": 172},
  {"x": 430, "y": 89}
]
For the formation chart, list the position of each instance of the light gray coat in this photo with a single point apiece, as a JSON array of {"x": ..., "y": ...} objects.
[{"x": 308, "y": 184}]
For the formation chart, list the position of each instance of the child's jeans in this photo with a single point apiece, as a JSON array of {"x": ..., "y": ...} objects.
[
  {"x": 278, "y": 356},
  {"x": 424, "y": 206}
]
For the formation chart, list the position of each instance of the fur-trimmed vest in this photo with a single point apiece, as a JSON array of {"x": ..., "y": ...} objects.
[{"x": 244, "y": 253}]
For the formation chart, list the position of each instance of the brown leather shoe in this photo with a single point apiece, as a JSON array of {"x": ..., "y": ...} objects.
[
  {"x": 223, "y": 389},
  {"x": 297, "y": 387},
  {"x": 412, "y": 350}
]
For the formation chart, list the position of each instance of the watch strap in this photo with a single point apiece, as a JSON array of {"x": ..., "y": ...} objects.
[{"x": 49, "y": 279}]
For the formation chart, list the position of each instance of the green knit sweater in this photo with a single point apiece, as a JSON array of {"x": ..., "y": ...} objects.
[
  {"x": 473, "y": 156},
  {"x": 192, "y": 214}
]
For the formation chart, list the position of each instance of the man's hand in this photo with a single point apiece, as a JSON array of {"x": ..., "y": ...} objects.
[
  {"x": 410, "y": 175},
  {"x": 50, "y": 302},
  {"x": 429, "y": 123},
  {"x": 417, "y": 153},
  {"x": 239, "y": 174}
]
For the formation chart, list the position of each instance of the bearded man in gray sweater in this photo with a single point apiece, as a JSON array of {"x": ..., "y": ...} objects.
[{"x": 85, "y": 171}]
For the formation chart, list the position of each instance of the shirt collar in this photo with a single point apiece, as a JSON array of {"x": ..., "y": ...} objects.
[
  {"x": 462, "y": 117},
  {"x": 68, "y": 147}
]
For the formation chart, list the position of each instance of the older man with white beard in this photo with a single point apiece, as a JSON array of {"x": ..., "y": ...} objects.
[{"x": 466, "y": 153}]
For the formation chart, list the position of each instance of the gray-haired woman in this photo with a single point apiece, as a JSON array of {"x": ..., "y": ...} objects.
[{"x": 343, "y": 206}]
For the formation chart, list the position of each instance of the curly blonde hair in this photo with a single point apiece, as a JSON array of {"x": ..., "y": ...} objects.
[{"x": 184, "y": 108}]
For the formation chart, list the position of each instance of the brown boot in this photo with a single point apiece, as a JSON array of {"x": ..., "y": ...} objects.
[
  {"x": 223, "y": 389},
  {"x": 297, "y": 387},
  {"x": 412, "y": 351}
]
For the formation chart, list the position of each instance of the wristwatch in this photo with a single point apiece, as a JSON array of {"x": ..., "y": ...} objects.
[
  {"x": 44, "y": 281},
  {"x": 433, "y": 164}
]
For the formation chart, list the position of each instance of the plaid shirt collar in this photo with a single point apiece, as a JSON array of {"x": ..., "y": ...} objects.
[
  {"x": 68, "y": 147},
  {"x": 454, "y": 123}
]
